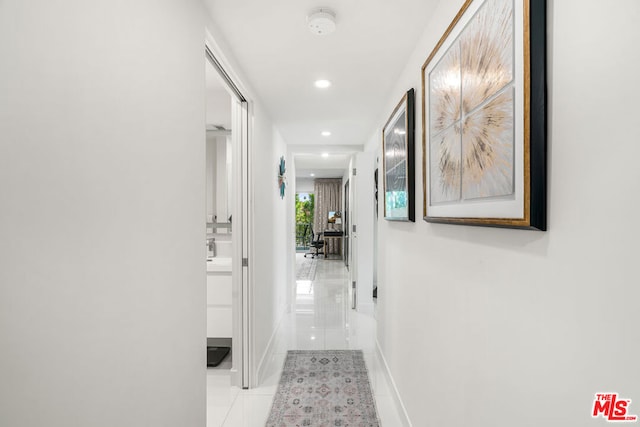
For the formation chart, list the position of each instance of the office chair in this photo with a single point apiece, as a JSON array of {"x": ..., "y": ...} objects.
[{"x": 317, "y": 244}]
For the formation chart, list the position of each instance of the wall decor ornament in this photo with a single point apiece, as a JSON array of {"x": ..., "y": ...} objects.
[
  {"x": 398, "y": 141},
  {"x": 484, "y": 117},
  {"x": 282, "y": 179}
]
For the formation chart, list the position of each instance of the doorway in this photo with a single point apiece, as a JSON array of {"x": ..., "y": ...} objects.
[
  {"x": 219, "y": 208},
  {"x": 227, "y": 231}
]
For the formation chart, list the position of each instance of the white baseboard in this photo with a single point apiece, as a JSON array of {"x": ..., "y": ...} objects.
[
  {"x": 236, "y": 380},
  {"x": 268, "y": 352},
  {"x": 402, "y": 411}
]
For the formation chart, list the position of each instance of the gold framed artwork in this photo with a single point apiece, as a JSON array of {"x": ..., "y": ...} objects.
[
  {"x": 484, "y": 117},
  {"x": 398, "y": 146}
]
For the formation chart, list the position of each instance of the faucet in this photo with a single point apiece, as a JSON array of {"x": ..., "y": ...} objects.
[{"x": 211, "y": 247}]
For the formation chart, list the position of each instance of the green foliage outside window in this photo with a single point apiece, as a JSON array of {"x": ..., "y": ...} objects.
[
  {"x": 304, "y": 208},
  {"x": 304, "y": 219}
]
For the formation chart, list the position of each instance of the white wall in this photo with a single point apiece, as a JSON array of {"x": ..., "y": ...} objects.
[
  {"x": 219, "y": 102},
  {"x": 270, "y": 262},
  {"x": 495, "y": 327},
  {"x": 292, "y": 190},
  {"x": 102, "y": 174},
  {"x": 361, "y": 242},
  {"x": 305, "y": 185},
  {"x": 364, "y": 202}
]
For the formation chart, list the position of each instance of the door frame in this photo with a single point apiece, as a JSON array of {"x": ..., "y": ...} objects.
[
  {"x": 241, "y": 374},
  {"x": 347, "y": 224}
]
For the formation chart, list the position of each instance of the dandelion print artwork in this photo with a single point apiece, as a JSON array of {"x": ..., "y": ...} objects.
[{"x": 471, "y": 111}]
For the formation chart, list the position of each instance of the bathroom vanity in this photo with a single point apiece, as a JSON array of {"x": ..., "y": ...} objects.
[{"x": 219, "y": 302}]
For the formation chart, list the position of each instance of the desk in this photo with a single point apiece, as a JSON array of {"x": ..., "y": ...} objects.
[{"x": 332, "y": 234}]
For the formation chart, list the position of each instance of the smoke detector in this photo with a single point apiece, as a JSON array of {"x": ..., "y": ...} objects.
[{"x": 322, "y": 21}]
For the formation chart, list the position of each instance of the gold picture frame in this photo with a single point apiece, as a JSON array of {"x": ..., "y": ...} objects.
[{"x": 484, "y": 117}]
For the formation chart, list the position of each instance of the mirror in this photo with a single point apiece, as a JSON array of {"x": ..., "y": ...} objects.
[
  {"x": 219, "y": 155},
  {"x": 218, "y": 187}
]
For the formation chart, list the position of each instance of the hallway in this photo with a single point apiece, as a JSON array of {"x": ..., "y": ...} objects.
[{"x": 321, "y": 319}]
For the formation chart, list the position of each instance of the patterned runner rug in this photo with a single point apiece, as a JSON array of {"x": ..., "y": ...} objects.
[
  {"x": 306, "y": 269},
  {"x": 324, "y": 388}
]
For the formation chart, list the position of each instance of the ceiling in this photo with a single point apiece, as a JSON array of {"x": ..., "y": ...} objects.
[
  {"x": 281, "y": 59},
  {"x": 323, "y": 161}
]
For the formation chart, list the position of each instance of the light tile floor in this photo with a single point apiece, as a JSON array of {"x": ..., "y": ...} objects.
[{"x": 321, "y": 319}]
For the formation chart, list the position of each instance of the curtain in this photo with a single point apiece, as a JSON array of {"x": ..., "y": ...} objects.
[{"x": 328, "y": 198}]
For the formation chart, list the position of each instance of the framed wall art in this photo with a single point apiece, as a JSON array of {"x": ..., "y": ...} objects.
[
  {"x": 398, "y": 141},
  {"x": 484, "y": 117}
]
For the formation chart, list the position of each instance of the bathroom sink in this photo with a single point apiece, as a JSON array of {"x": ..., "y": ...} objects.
[{"x": 219, "y": 264}]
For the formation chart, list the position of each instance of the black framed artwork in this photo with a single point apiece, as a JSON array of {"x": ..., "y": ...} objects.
[
  {"x": 484, "y": 117},
  {"x": 398, "y": 141}
]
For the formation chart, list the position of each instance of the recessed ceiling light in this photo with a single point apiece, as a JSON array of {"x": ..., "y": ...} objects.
[
  {"x": 322, "y": 84},
  {"x": 325, "y": 155},
  {"x": 312, "y": 174},
  {"x": 326, "y": 133}
]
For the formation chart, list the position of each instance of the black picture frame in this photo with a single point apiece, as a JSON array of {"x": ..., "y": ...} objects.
[{"x": 398, "y": 148}]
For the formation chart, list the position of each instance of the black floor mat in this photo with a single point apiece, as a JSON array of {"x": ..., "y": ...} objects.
[{"x": 215, "y": 355}]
